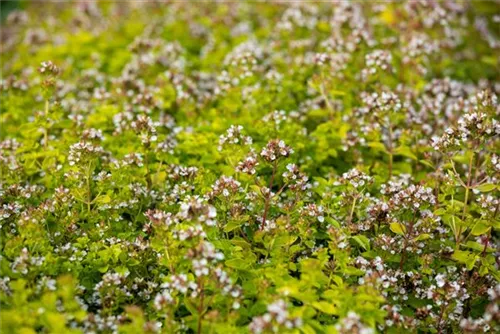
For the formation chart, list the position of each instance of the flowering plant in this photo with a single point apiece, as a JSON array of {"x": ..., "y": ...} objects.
[{"x": 244, "y": 167}]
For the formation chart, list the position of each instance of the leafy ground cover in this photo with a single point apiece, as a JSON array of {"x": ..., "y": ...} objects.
[{"x": 250, "y": 167}]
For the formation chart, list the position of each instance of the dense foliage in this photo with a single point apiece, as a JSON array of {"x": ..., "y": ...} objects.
[{"x": 249, "y": 167}]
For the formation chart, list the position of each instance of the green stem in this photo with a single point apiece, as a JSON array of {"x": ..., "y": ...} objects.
[
  {"x": 405, "y": 244},
  {"x": 351, "y": 213},
  {"x": 325, "y": 97},
  {"x": 200, "y": 308},
  {"x": 466, "y": 199},
  {"x": 268, "y": 197},
  {"x": 170, "y": 264},
  {"x": 148, "y": 172},
  {"x": 470, "y": 233},
  {"x": 46, "y": 130},
  {"x": 89, "y": 189},
  {"x": 391, "y": 156},
  {"x": 157, "y": 176}
]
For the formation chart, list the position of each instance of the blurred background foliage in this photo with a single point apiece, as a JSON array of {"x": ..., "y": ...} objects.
[{"x": 7, "y": 6}]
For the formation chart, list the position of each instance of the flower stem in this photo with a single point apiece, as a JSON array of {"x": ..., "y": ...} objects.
[
  {"x": 389, "y": 149},
  {"x": 148, "y": 172},
  {"x": 466, "y": 199},
  {"x": 268, "y": 198},
  {"x": 407, "y": 237},
  {"x": 46, "y": 130},
  {"x": 89, "y": 189},
  {"x": 200, "y": 308},
  {"x": 325, "y": 97},
  {"x": 351, "y": 213}
]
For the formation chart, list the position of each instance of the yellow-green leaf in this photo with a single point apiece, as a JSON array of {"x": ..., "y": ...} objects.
[
  {"x": 487, "y": 187},
  {"x": 325, "y": 307},
  {"x": 398, "y": 228}
]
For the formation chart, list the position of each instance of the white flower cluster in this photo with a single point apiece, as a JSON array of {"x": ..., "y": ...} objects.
[
  {"x": 276, "y": 319},
  {"x": 314, "y": 211},
  {"x": 248, "y": 165},
  {"x": 376, "y": 61},
  {"x": 145, "y": 128},
  {"x": 355, "y": 178},
  {"x": 92, "y": 134},
  {"x": 49, "y": 68},
  {"x": 193, "y": 208},
  {"x": 158, "y": 217},
  {"x": 473, "y": 127},
  {"x": 352, "y": 324},
  {"x": 225, "y": 186},
  {"x": 83, "y": 152},
  {"x": 227, "y": 286},
  {"x": 275, "y": 149},
  {"x": 413, "y": 197},
  {"x": 234, "y": 136},
  {"x": 297, "y": 180}
]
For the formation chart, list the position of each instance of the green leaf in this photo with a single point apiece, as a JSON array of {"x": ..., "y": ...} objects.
[
  {"x": 480, "y": 228},
  {"x": 103, "y": 199},
  {"x": 232, "y": 225},
  {"x": 477, "y": 246},
  {"x": 103, "y": 269},
  {"x": 440, "y": 211},
  {"x": 325, "y": 307},
  {"x": 190, "y": 306},
  {"x": 483, "y": 270},
  {"x": 363, "y": 241},
  {"x": 354, "y": 271},
  {"x": 465, "y": 257},
  {"x": 423, "y": 236},
  {"x": 426, "y": 163},
  {"x": 307, "y": 329},
  {"x": 240, "y": 264},
  {"x": 337, "y": 92},
  {"x": 486, "y": 187},
  {"x": 338, "y": 280},
  {"x": 452, "y": 221},
  {"x": 490, "y": 60},
  {"x": 377, "y": 146},
  {"x": 406, "y": 152},
  {"x": 332, "y": 221},
  {"x": 398, "y": 228}
]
